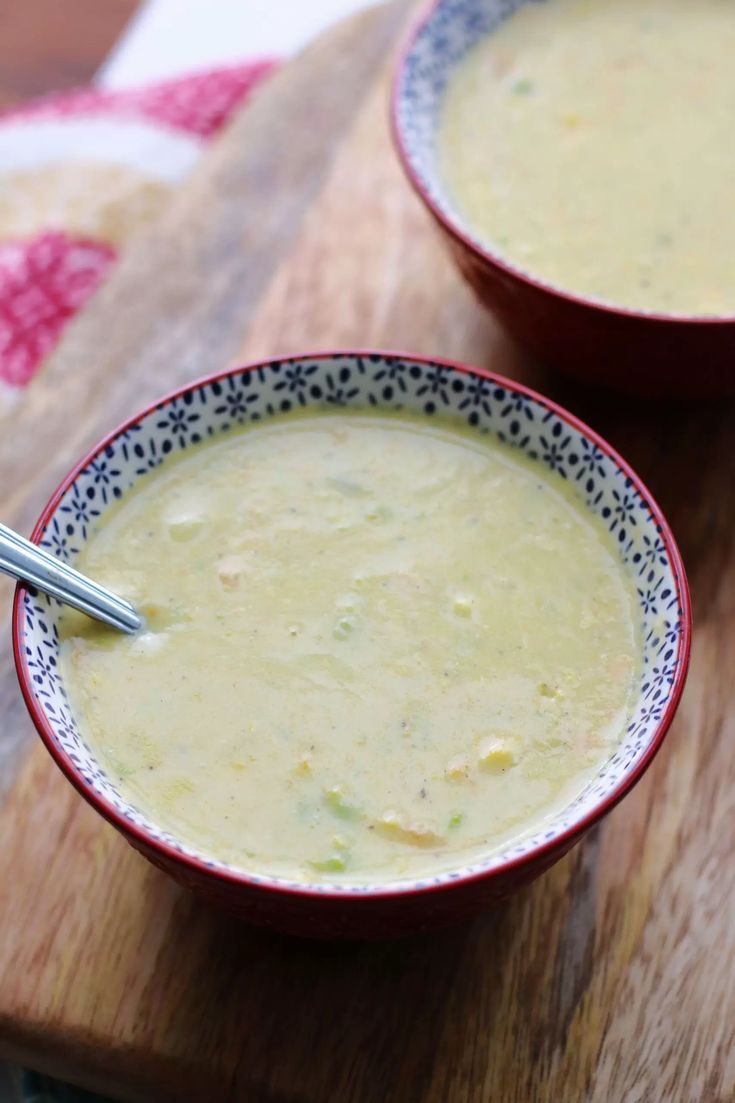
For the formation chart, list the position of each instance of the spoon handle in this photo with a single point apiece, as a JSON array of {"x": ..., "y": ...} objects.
[{"x": 29, "y": 563}]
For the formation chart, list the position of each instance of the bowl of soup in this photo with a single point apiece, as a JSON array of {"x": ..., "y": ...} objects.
[
  {"x": 577, "y": 157},
  {"x": 410, "y": 630}
]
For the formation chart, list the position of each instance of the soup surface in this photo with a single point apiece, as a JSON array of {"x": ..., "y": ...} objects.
[
  {"x": 590, "y": 142},
  {"x": 375, "y": 647}
]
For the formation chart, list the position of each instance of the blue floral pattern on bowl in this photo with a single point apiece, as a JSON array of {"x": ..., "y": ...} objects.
[
  {"x": 488, "y": 404},
  {"x": 442, "y": 39}
]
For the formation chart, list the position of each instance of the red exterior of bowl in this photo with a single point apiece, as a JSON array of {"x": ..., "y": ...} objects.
[
  {"x": 641, "y": 354},
  {"x": 386, "y": 912},
  {"x": 380, "y": 916},
  {"x": 645, "y": 354}
]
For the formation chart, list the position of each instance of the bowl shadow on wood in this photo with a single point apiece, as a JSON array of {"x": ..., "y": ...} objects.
[{"x": 371, "y": 1021}]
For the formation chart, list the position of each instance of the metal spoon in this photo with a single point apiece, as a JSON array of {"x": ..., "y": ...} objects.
[{"x": 29, "y": 563}]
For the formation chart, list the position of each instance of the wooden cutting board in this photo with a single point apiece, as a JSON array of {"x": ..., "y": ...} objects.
[{"x": 610, "y": 979}]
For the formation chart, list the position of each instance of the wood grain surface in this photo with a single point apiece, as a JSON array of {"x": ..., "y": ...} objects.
[
  {"x": 610, "y": 979},
  {"x": 53, "y": 45}
]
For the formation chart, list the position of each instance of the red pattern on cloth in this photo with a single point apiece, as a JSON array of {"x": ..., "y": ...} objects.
[
  {"x": 43, "y": 282},
  {"x": 197, "y": 104}
]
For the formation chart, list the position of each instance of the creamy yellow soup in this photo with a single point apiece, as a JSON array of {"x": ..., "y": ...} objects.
[
  {"x": 591, "y": 143},
  {"x": 376, "y": 647}
]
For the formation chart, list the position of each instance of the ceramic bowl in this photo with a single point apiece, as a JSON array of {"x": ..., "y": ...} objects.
[
  {"x": 641, "y": 352},
  {"x": 488, "y": 404}
]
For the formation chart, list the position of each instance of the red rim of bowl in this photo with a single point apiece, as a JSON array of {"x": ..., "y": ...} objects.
[
  {"x": 461, "y": 236},
  {"x": 450, "y": 879}
]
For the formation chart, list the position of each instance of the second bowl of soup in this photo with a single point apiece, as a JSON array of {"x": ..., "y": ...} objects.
[
  {"x": 577, "y": 154},
  {"x": 409, "y": 630}
]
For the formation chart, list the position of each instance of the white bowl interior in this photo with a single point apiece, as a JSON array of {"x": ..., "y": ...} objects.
[
  {"x": 369, "y": 381},
  {"x": 451, "y": 30}
]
